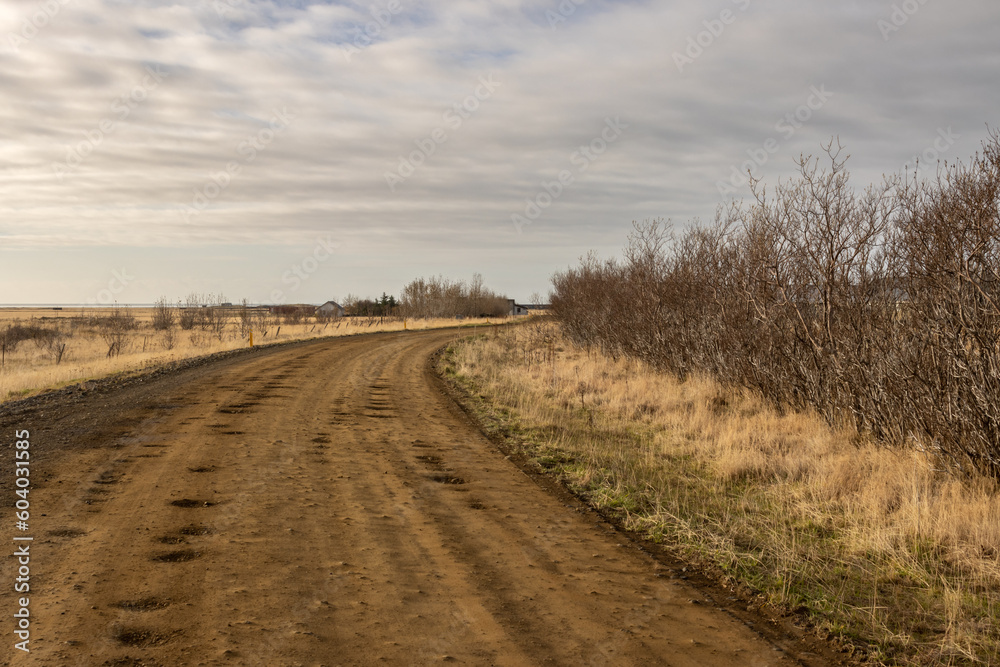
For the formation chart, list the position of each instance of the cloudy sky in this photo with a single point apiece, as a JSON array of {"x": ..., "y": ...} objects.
[{"x": 299, "y": 151}]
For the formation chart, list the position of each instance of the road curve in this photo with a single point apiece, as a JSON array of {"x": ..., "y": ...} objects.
[{"x": 324, "y": 504}]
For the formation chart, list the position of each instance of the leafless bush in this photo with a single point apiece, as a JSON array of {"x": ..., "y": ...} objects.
[
  {"x": 215, "y": 320},
  {"x": 10, "y": 338},
  {"x": 879, "y": 308},
  {"x": 169, "y": 338},
  {"x": 441, "y": 297},
  {"x": 115, "y": 328},
  {"x": 293, "y": 316},
  {"x": 264, "y": 320},
  {"x": 55, "y": 346},
  {"x": 190, "y": 312},
  {"x": 199, "y": 339},
  {"x": 47, "y": 338},
  {"x": 163, "y": 315},
  {"x": 245, "y": 318}
]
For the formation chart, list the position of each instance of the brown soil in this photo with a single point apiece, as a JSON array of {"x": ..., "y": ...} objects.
[{"x": 327, "y": 503}]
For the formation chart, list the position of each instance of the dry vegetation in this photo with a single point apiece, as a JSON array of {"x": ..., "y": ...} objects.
[
  {"x": 441, "y": 297},
  {"x": 804, "y": 394},
  {"x": 45, "y": 348},
  {"x": 873, "y": 544},
  {"x": 879, "y": 309}
]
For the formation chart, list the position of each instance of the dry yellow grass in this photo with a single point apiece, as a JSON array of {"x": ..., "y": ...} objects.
[
  {"x": 32, "y": 368},
  {"x": 874, "y": 544}
]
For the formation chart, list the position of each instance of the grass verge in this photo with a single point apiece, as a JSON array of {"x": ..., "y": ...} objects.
[{"x": 872, "y": 545}]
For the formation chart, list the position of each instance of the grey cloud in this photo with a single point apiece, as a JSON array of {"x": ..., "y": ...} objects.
[{"x": 231, "y": 65}]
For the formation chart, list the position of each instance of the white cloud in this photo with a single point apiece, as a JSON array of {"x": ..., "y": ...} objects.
[{"x": 230, "y": 64}]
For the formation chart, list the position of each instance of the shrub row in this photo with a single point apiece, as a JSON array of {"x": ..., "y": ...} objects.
[{"x": 879, "y": 307}]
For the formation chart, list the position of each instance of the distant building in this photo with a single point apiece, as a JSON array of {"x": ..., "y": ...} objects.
[
  {"x": 514, "y": 309},
  {"x": 330, "y": 309},
  {"x": 303, "y": 309}
]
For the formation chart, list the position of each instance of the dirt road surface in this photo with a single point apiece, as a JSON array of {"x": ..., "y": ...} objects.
[{"x": 323, "y": 503}]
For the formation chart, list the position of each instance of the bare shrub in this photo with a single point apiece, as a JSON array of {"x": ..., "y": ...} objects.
[
  {"x": 190, "y": 312},
  {"x": 10, "y": 338},
  {"x": 880, "y": 308},
  {"x": 48, "y": 339},
  {"x": 293, "y": 316},
  {"x": 245, "y": 319},
  {"x": 163, "y": 315},
  {"x": 55, "y": 348},
  {"x": 441, "y": 297},
  {"x": 115, "y": 328},
  {"x": 199, "y": 339},
  {"x": 215, "y": 320},
  {"x": 169, "y": 338}
]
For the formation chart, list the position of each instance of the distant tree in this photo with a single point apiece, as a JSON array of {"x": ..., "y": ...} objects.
[
  {"x": 189, "y": 311},
  {"x": 441, "y": 297},
  {"x": 163, "y": 315}
]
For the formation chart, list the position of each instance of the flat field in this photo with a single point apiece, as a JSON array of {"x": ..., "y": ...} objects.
[{"x": 39, "y": 362}]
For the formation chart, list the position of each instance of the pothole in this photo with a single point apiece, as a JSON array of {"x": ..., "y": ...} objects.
[
  {"x": 195, "y": 529},
  {"x": 179, "y": 556},
  {"x": 132, "y": 636},
  {"x": 188, "y": 503},
  {"x": 108, "y": 478},
  {"x": 447, "y": 479}
]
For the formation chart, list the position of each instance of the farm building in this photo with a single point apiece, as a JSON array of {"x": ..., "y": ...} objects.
[
  {"x": 330, "y": 309},
  {"x": 514, "y": 309}
]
